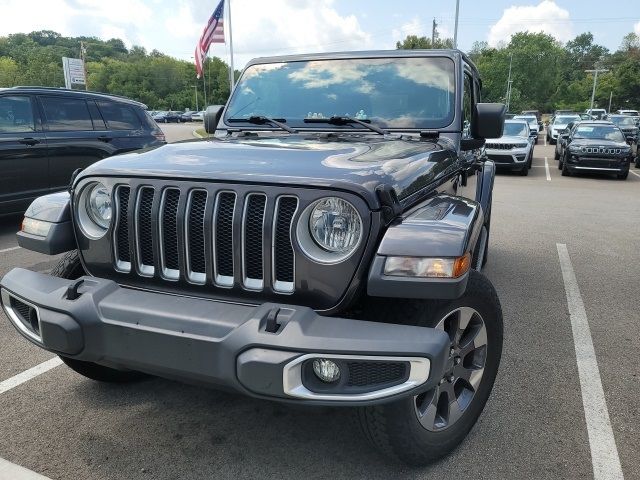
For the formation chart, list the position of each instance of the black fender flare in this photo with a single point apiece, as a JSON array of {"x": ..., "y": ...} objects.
[
  {"x": 485, "y": 186},
  {"x": 443, "y": 226},
  {"x": 47, "y": 226}
]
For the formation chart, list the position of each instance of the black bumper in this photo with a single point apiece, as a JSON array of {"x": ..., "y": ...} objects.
[{"x": 220, "y": 344}]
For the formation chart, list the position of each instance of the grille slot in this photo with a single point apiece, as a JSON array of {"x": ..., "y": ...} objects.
[
  {"x": 364, "y": 374},
  {"x": 169, "y": 234},
  {"x": 27, "y": 314},
  {"x": 283, "y": 255},
  {"x": 223, "y": 237},
  {"x": 195, "y": 236},
  {"x": 206, "y": 236},
  {"x": 144, "y": 231},
  {"x": 121, "y": 232},
  {"x": 252, "y": 255}
]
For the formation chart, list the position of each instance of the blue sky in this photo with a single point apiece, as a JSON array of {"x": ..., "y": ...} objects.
[{"x": 273, "y": 27}]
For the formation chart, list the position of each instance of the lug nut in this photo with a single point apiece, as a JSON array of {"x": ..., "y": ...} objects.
[
  {"x": 451, "y": 378},
  {"x": 441, "y": 381},
  {"x": 452, "y": 351},
  {"x": 456, "y": 360}
]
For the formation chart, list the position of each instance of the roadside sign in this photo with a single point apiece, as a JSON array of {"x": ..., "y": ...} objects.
[{"x": 73, "y": 72}]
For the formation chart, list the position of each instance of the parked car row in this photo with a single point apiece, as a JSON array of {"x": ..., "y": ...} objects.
[{"x": 167, "y": 116}]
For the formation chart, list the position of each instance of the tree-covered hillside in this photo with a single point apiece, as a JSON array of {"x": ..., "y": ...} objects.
[
  {"x": 160, "y": 81},
  {"x": 548, "y": 75}
]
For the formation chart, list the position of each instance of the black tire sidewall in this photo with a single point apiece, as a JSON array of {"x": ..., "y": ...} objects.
[{"x": 408, "y": 439}]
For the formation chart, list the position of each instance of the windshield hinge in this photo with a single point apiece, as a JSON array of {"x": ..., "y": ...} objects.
[
  {"x": 391, "y": 206},
  {"x": 430, "y": 134}
]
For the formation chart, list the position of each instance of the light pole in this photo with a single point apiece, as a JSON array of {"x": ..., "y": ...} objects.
[
  {"x": 195, "y": 88},
  {"x": 509, "y": 82},
  {"x": 595, "y": 82},
  {"x": 455, "y": 30}
]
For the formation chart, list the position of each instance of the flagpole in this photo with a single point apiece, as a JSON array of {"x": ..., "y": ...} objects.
[
  {"x": 231, "y": 71},
  {"x": 204, "y": 83}
]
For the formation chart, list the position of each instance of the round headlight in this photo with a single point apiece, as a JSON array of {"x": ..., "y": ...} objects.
[
  {"x": 94, "y": 210},
  {"x": 329, "y": 230},
  {"x": 99, "y": 205}
]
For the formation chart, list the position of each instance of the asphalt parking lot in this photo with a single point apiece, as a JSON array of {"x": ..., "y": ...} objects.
[{"x": 64, "y": 426}]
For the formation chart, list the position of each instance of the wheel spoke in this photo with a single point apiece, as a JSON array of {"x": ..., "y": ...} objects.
[
  {"x": 475, "y": 378},
  {"x": 428, "y": 409},
  {"x": 455, "y": 412}
]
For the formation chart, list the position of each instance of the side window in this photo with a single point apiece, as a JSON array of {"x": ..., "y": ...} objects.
[
  {"x": 119, "y": 116},
  {"x": 16, "y": 114},
  {"x": 66, "y": 114},
  {"x": 467, "y": 106}
]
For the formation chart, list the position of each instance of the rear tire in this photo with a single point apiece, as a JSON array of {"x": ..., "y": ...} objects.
[
  {"x": 70, "y": 268},
  {"x": 400, "y": 429}
]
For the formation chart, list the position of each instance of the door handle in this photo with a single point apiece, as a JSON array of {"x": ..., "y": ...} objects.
[
  {"x": 29, "y": 141},
  {"x": 104, "y": 138}
]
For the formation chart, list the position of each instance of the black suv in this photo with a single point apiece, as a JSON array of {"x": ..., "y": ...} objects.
[
  {"x": 323, "y": 248},
  {"x": 48, "y": 133},
  {"x": 596, "y": 146}
]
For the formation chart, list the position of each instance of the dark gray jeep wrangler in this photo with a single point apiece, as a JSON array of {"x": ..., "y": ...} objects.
[{"x": 323, "y": 247}]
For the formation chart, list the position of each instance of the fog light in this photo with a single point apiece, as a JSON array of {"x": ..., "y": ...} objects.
[{"x": 326, "y": 370}]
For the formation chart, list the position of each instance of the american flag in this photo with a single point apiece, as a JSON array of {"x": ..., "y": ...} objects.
[{"x": 213, "y": 33}]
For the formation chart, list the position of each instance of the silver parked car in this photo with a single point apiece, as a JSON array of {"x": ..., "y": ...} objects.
[
  {"x": 514, "y": 150},
  {"x": 559, "y": 123},
  {"x": 534, "y": 128}
]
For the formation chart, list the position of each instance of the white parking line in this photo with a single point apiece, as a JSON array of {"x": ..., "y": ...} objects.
[
  {"x": 604, "y": 454},
  {"x": 12, "y": 471},
  {"x": 9, "y": 249},
  {"x": 546, "y": 169},
  {"x": 636, "y": 174},
  {"x": 27, "y": 375}
]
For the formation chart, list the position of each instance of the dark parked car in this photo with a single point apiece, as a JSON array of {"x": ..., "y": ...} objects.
[
  {"x": 596, "y": 146},
  {"x": 562, "y": 139},
  {"x": 186, "y": 116},
  {"x": 628, "y": 126},
  {"x": 48, "y": 133},
  {"x": 296, "y": 256}
]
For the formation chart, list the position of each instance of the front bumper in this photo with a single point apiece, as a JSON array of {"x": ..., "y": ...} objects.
[
  {"x": 262, "y": 351},
  {"x": 577, "y": 163},
  {"x": 514, "y": 159}
]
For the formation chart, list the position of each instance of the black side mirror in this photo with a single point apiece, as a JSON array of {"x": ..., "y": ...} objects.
[
  {"x": 488, "y": 120},
  {"x": 212, "y": 117}
]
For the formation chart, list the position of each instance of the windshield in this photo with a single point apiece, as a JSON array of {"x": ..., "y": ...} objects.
[
  {"x": 389, "y": 92},
  {"x": 623, "y": 121},
  {"x": 563, "y": 120},
  {"x": 599, "y": 132},
  {"x": 533, "y": 121},
  {"x": 515, "y": 129}
]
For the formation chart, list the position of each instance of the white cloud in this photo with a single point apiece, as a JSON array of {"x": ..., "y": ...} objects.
[
  {"x": 546, "y": 17},
  {"x": 412, "y": 27},
  {"x": 636, "y": 28}
]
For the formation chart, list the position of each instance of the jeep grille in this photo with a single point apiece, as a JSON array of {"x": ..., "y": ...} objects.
[{"x": 196, "y": 236}]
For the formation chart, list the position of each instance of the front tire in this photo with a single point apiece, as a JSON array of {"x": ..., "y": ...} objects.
[
  {"x": 70, "y": 268},
  {"x": 423, "y": 428},
  {"x": 565, "y": 169}
]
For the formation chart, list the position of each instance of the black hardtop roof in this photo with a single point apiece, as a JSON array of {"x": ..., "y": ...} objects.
[
  {"x": 80, "y": 93},
  {"x": 451, "y": 53}
]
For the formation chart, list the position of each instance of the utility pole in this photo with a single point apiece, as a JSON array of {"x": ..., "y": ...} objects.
[
  {"x": 610, "y": 97},
  {"x": 455, "y": 30},
  {"x": 509, "y": 82},
  {"x": 595, "y": 82},
  {"x": 433, "y": 33},
  {"x": 83, "y": 55}
]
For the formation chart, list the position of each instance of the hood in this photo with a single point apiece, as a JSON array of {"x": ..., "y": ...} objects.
[
  {"x": 597, "y": 142},
  {"x": 358, "y": 163},
  {"x": 509, "y": 139},
  {"x": 559, "y": 126}
]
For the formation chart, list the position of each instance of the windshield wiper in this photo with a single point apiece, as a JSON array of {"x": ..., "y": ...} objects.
[
  {"x": 262, "y": 120},
  {"x": 345, "y": 121}
]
